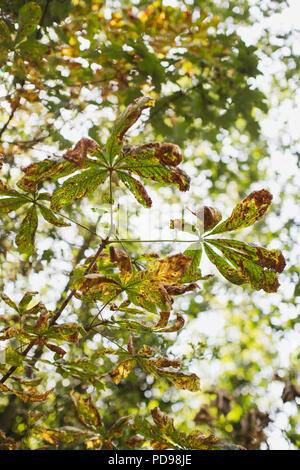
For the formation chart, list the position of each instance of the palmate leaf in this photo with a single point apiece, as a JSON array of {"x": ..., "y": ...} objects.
[
  {"x": 12, "y": 200},
  {"x": 155, "y": 365},
  {"x": 245, "y": 263}
]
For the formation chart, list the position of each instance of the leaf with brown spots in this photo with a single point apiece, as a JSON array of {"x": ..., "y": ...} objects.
[
  {"x": 122, "y": 370},
  {"x": 247, "y": 212},
  {"x": 252, "y": 273},
  {"x": 39, "y": 171}
]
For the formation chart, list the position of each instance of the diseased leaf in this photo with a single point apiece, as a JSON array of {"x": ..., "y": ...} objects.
[
  {"x": 26, "y": 299},
  {"x": 49, "y": 215},
  {"x": 9, "y": 204},
  {"x": 80, "y": 151},
  {"x": 63, "y": 435},
  {"x": 143, "y": 162},
  {"x": 208, "y": 217},
  {"x": 86, "y": 411},
  {"x": 41, "y": 324},
  {"x": 123, "y": 261},
  {"x": 181, "y": 380},
  {"x": 251, "y": 209},
  {"x": 228, "y": 271},
  {"x": 77, "y": 187},
  {"x": 37, "y": 172},
  {"x": 253, "y": 273},
  {"x": 26, "y": 233},
  {"x": 124, "y": 122},
  {"x": 136, "y": 187},
  {"x": 29, "y": 17},
  {"x": 25, "y": 396},
  {"x": 57, "y": 349},
  {"x": 271, "y": 259},
  {"x": 122, "y": 370},
  {"x": 9, "y": 302},
  {"x": 117, "y": 428}
]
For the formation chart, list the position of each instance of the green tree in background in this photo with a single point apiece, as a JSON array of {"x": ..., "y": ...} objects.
[{"x": 116, "y": 341}]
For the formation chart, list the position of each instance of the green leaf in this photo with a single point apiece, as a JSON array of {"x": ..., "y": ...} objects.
[
  {"x": 271, "y": 259},
  {"x": 9, "y": 204},
  {"x": 137, "y": 189},
  {"x": 9, "y": 302},
  {"x": 33, "y": 48},
  {"x": 193, "y": 274},
  {"x": 229, "y": 272},
  {"x": 26, "y": 233},
  {"x": 251, "y": 209},
  {"x": 123, "y": 123},
  {"x": 29, "y": 17},
  {"x": 77, "y": 187},
  {"x": 4, "y": 31},
  {"x": 49, "y": 215},
  {"x": 26, "y": 299},
  {"x": 86, "y": 411}
]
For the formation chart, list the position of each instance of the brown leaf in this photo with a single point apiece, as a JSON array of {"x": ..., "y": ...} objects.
[
  {"x": 130, "y": 346},
  {"x": 209, "y": 217},
  {"x": 56, "y": 349},
  {"x": 204, "y": 416},
  {"x": 41, "y": 323},
  {"x": 124, "y": 262}
]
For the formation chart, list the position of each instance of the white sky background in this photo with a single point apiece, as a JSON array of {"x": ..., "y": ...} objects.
[{"x": 281, "y": 116}]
